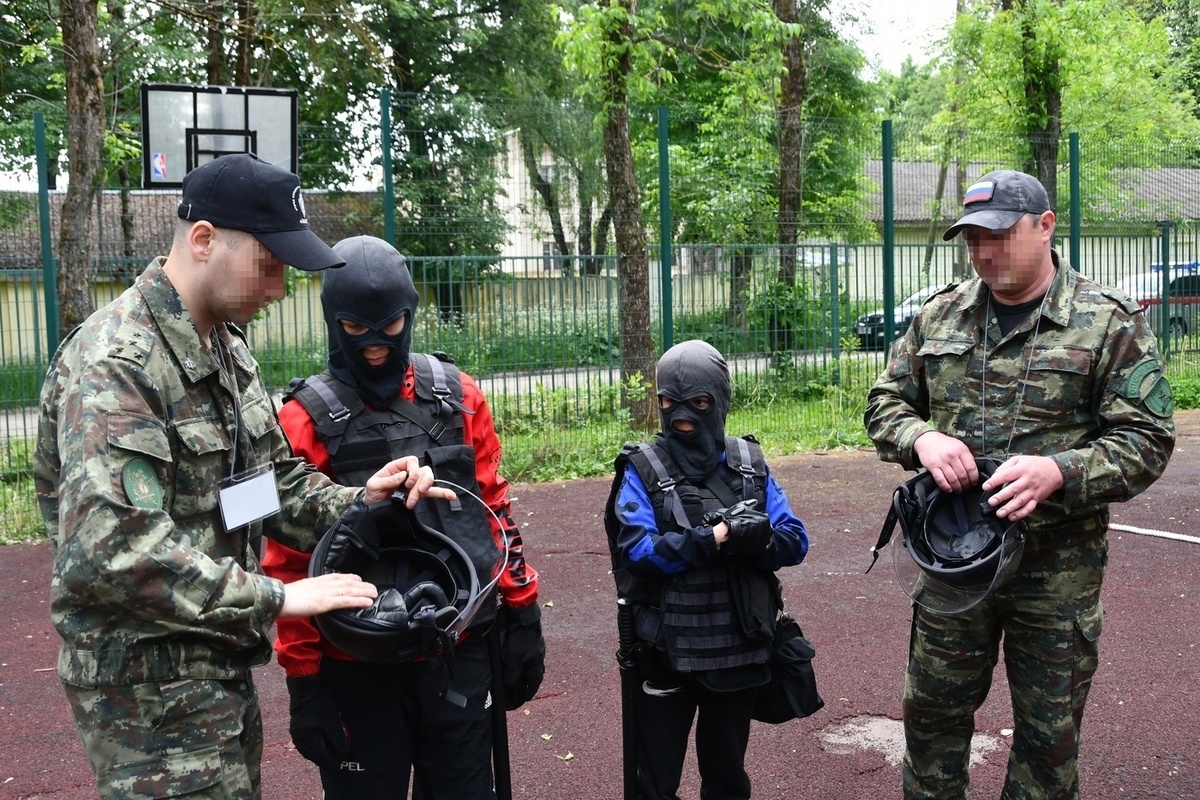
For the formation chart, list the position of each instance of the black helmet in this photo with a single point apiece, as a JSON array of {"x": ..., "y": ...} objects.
[
  {"x": 956, "y": 551},
  {"x": 428, "y": 588}
]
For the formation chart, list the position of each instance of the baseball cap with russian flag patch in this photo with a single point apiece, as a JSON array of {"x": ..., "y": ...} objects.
[{"x": 998, "y": 200}]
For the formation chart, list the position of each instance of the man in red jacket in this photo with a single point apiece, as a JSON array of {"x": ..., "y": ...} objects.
[{"x": 369, "y": 725}]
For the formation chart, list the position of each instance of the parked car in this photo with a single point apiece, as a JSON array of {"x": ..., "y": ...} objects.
[
  {"x": 1183, "y": 293},
  {"x": 870, "y": 327}
]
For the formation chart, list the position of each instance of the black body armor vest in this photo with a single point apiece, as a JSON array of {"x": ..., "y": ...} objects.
[
  {"x": 360, "y": 439},
  {"x": 714, "y": 621}
]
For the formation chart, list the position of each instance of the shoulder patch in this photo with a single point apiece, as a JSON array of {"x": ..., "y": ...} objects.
[
  {"x": 132, "y": 343},
  {"x": 948, "y": 287},
  {"x": 141, "y": 483},
  {"x": 1120, "y": 298},
  {"x": 1148, "y": 385}
]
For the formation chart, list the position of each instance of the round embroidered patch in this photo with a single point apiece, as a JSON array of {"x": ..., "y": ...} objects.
[
  {"x": 141, "y": 484},
  {"x": 1157, "y": 397},
  {"x": 1133, "y": 389},
  {"x": 1160, "y": 400}
]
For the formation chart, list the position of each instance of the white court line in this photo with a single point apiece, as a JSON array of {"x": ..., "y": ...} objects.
[{"x": 1179, "y": 537}]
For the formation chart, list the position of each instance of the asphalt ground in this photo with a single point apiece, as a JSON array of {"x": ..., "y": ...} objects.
[{"x": 1140, "y": 738}]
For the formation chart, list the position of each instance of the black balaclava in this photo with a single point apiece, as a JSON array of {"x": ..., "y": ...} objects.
[
  {"x": 373, "y": 289},
  {"x": 687, "y": 370}
]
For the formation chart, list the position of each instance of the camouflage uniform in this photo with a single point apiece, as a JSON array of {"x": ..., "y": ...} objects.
[
  {"x": 162, "y": 611},
  {"x": 1083, "y": 386}
]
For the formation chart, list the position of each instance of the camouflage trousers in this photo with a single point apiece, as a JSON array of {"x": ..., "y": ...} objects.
[
  {"x": 199, "y": 738},
  {"x": 1049, "y": 618}
]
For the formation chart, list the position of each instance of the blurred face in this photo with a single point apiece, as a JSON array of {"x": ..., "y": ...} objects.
[
  {"x": 241, "y": 278},
  {"x": 375, "y": 355},
  {"x": 1015, "y": 263}
]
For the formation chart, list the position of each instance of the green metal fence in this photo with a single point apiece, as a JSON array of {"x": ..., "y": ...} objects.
[{"x": 538, "y": 328}]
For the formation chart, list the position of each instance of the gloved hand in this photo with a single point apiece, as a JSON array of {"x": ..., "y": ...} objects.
[
  {"x": 750, "y": 531},
  {"x": 522, "y": 655},
  {"x": 316, "y": 727}
]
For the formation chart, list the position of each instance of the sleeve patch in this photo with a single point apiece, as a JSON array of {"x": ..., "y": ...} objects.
[
  {"x": 1150, "y": 386},
  {"x": 141, "y": 484}
]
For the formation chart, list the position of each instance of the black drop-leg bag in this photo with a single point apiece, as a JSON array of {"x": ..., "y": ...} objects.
[{"x": 792, "y": 692}]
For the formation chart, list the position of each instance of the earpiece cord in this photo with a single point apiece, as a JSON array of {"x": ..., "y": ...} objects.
[
  {"x": 1037, "y": 328},
  {"x": 228, "y": 374}
]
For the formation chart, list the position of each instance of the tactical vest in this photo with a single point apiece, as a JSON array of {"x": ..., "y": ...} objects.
[
  {"x": 714, "y": 621},
  {"x": 361, "y": 439}
]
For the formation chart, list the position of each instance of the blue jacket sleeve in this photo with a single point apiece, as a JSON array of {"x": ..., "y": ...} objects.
[
  {"x": 642, "y": 548},
  {"x": 791, "y": 538}
]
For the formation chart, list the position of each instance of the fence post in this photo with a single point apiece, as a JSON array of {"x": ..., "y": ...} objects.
[
  {"x": 385, "y": 141},
  {"x": 1164, "y": 293},
  {"x": 49, "y": 266},
  {"x": 664, "y": 224},
  {"x": 835, "y": 309},
  {"x": 1076, "y": 205},
  {"x": 889, "y": 239}
]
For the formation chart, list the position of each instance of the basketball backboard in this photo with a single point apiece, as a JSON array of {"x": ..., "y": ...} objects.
[{"x": 185, "y": 126}]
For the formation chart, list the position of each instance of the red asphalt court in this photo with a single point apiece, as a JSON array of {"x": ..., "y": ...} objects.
[{"x": 1141, "y": 740}]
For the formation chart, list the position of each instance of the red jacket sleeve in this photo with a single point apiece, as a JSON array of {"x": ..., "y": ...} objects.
[
  {"x": 519, "y": 582},
  {"x": 297, "y": 642}
]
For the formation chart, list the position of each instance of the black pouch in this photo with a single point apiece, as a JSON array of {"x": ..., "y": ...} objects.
[{"x": 792, "y": 691}]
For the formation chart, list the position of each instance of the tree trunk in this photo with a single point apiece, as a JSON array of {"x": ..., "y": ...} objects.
[
  {"x": 85, "y": 136},
  {"x": 1043, "y": 103},
  {"x": 216, "y": 65},
  {"x": 243, "y": 59},
  {"x": 741, "y": 264},
  {"x": 637, "y": 345},
  {"x": 601, "y": 248},
  {"x": 792, "y": 89},
  {"x": 587, "y": 261},
  {"x": 550, "y": 199}
]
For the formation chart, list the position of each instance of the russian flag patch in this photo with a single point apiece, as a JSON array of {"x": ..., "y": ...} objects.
[{"x": 979, "y": 192}]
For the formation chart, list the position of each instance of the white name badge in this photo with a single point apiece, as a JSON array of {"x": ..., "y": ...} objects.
[{"x": 248, "y": 497}]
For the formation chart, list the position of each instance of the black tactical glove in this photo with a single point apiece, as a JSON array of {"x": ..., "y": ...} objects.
[
  {"x": 522, "y": 655},
  {"x": 749, "y": 530},
  {"x": 316, "y": 727}
]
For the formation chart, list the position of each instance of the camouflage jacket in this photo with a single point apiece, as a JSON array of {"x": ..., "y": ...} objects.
[
  {"x": 1081, "y": 383},
  {"x": 136, "y": 429}
]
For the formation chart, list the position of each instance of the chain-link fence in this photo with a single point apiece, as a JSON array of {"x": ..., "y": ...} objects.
[{"x": 511, "y": 239}]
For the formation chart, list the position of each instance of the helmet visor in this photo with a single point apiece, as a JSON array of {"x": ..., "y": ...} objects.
[{"x": 953, "y": 589}]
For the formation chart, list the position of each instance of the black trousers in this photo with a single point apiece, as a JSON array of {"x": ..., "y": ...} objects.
[
  {"x": 666, "y": 708},
  {"x": 398, "y": 725}
]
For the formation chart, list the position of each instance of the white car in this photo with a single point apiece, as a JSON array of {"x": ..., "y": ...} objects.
[{"x": 1182, "y": 293}]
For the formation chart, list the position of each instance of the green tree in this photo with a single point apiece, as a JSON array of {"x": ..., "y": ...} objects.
[
  {"x": 1182, "y": 21},
  {"x": 1040, "y": 68},
  {"x": 601, "y": 49},
  {"x": 445, "y": 63}
]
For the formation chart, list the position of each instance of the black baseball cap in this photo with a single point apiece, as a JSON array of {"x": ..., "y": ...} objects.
[
  {"x": 998, "y": 200},
  {"x": 242, "y": 192}
]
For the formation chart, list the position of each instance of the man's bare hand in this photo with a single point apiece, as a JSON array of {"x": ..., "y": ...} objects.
[
  {"x": 1026, "y": 481},
  {"x": 310, "y": 596},
  {"x": 948, "y": 460},
  {"x": 404, "y": 474}
]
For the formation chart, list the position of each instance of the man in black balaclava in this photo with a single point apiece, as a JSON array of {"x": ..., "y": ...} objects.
[
  {"x": 697, "y": 527},
  {"x": 694, "y": 395},
  {"x": 369, "y": 306}
]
